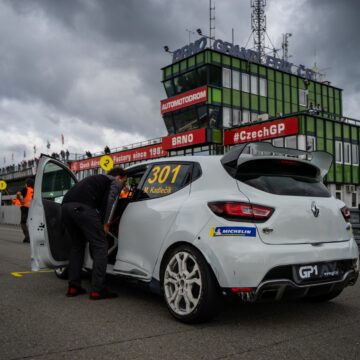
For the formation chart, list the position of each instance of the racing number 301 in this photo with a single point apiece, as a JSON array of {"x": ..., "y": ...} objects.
[{"x": 160, "y": 175}]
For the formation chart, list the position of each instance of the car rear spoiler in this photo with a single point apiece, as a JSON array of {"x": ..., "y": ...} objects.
[{"x": 240, "y": 154}]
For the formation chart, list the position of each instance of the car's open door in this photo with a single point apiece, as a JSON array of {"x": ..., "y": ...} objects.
[{"x": 49, "y": 242}]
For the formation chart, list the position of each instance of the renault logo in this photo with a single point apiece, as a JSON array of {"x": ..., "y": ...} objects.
[{"x": 315, "y": 210}]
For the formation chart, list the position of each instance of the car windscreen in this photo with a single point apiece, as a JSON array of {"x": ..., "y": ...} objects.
[{"x": 282, "y": 177}]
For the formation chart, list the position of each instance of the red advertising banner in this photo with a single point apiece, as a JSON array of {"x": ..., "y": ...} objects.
[
  {"x": 188, "y": 98},
  {"x": 184, "y": 139},
  {"x": 121, "y": 157},
  {"x": 262, "y": 131}
]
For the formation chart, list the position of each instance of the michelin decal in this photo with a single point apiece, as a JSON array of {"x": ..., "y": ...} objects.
[{"x": 233, "y": 231}]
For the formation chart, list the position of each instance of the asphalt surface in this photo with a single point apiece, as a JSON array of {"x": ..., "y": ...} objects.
[{"x": 38, "y": 322}]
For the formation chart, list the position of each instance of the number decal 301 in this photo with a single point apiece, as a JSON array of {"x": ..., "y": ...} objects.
[{"x": 161, "y": 174}]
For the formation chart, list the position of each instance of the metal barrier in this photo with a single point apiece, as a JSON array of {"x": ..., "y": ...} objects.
[{"x": 10, "y": 215}]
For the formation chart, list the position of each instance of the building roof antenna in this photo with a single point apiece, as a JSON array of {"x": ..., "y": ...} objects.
[
  {"x": 211, "y": 21},
  {"x": 320, "y": 74},
  {"x": 285, "y": 46},
  {"x": 258, "y": 26},
  {"x": 190, "y": 32}
]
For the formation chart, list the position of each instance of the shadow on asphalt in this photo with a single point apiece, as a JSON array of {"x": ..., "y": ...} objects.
[{"x": 235, "y": 312}]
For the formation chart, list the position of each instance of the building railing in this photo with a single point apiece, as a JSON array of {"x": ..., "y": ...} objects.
[
  {"x": 21, "y": 170},
  {"x": 122, "y": 148},
  {"x": 331, "y": 116},
  {"x": 28, "y": 168}
]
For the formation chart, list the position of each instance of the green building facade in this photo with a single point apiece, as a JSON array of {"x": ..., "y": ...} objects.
[{"x": 242, "y": 94}]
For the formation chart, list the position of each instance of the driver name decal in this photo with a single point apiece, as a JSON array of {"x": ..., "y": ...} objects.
[{"x": 158, "y": 190}]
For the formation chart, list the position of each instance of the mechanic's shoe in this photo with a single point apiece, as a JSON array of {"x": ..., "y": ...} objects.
[
  {"x": 104, "y": 294},
  {"x": 75, "y": 291}
]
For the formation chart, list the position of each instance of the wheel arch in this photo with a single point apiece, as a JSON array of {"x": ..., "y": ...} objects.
[{"x": 175, "y": 245}]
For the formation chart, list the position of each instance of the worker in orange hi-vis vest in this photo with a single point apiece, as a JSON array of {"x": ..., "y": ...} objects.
[
  {"x": 16, "y": 202},
  {"x": 23, "y": 199},
  {"x": 124, "y": 192}
]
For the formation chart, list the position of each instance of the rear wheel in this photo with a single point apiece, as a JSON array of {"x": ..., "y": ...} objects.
[
  {"x": 324, "y": 297},
  {"x": 62, "y": 272},
  {"x": 190, "y": 289}
]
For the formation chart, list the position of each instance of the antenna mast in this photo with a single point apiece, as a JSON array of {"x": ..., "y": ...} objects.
[
  {"x": 285, "y": 46},
  {"x": 258, "y": 26},
  {"x": 211, "y": 22}
]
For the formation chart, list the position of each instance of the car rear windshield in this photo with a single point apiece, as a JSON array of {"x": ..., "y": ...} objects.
[{"x": 282, "y": 177}]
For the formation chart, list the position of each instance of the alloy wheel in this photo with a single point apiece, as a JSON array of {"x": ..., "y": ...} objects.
[{"x": 182, "y": 283}]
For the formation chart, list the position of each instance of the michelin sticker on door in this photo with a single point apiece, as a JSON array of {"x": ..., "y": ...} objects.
[{"x": 233, "y": 231}]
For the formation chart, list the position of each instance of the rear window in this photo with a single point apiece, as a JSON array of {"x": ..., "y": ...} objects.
[{"x": 282, "y": 177}]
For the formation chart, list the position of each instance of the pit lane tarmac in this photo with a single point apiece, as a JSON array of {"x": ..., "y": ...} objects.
[{"x": 37, "y": 321}]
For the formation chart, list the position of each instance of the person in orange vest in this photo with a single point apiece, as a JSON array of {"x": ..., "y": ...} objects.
[
  {"x": 124, "y": 192},
  {"x": 23, "y": 199},
  {"x": 16, "y": 202}
]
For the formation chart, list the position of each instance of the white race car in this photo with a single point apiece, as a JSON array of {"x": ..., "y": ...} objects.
[{"x": 256, "y": 223}]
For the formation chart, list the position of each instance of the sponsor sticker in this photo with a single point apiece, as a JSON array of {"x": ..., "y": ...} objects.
[
  {"x": 3, "y": 185},
  {"x": 233, "y": 231},
  {"x": 106, "y": 162}
]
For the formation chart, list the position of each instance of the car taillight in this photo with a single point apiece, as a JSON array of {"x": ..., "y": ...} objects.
[
  {"x": 237, "y": 211},
  {"x": 346, "y": 213}
]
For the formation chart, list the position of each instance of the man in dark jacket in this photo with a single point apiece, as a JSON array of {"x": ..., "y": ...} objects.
[{"x": 86, "y": 212}]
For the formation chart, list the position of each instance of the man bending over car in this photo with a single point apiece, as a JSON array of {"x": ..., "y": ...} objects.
[{"x": 86, "y": 211}]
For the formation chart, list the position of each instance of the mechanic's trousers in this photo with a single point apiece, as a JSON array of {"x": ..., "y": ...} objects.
[
  {"x": 24, "y": 215},
  {"x": 84, "y": 224}
]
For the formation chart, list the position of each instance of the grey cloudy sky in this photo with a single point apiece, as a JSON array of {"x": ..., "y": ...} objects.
[{"x": 90, "y": 69}]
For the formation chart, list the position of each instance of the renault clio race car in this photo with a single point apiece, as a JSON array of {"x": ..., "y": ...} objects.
[{"x": 257, "y": 223}]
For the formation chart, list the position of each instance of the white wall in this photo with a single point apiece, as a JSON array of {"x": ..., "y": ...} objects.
[{"x": 10, "y": 215}]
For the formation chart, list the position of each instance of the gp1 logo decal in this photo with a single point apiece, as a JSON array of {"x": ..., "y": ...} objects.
[
  {"x": 306, "y": 272},
  {"x": 233, "y": 231}
]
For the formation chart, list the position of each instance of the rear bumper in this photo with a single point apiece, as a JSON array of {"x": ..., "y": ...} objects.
[
  {"x": 278, "y": 289},
  {"x": 245, "y": 261}
]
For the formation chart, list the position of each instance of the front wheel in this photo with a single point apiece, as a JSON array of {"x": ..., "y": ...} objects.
[{"x": 190, "y": 289}]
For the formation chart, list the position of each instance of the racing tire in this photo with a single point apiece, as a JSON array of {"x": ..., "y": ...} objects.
[
  {"x": 62, "y": 273},
  {"x": 190, "y": 289},
  {"x": 324, "y": 297}
]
